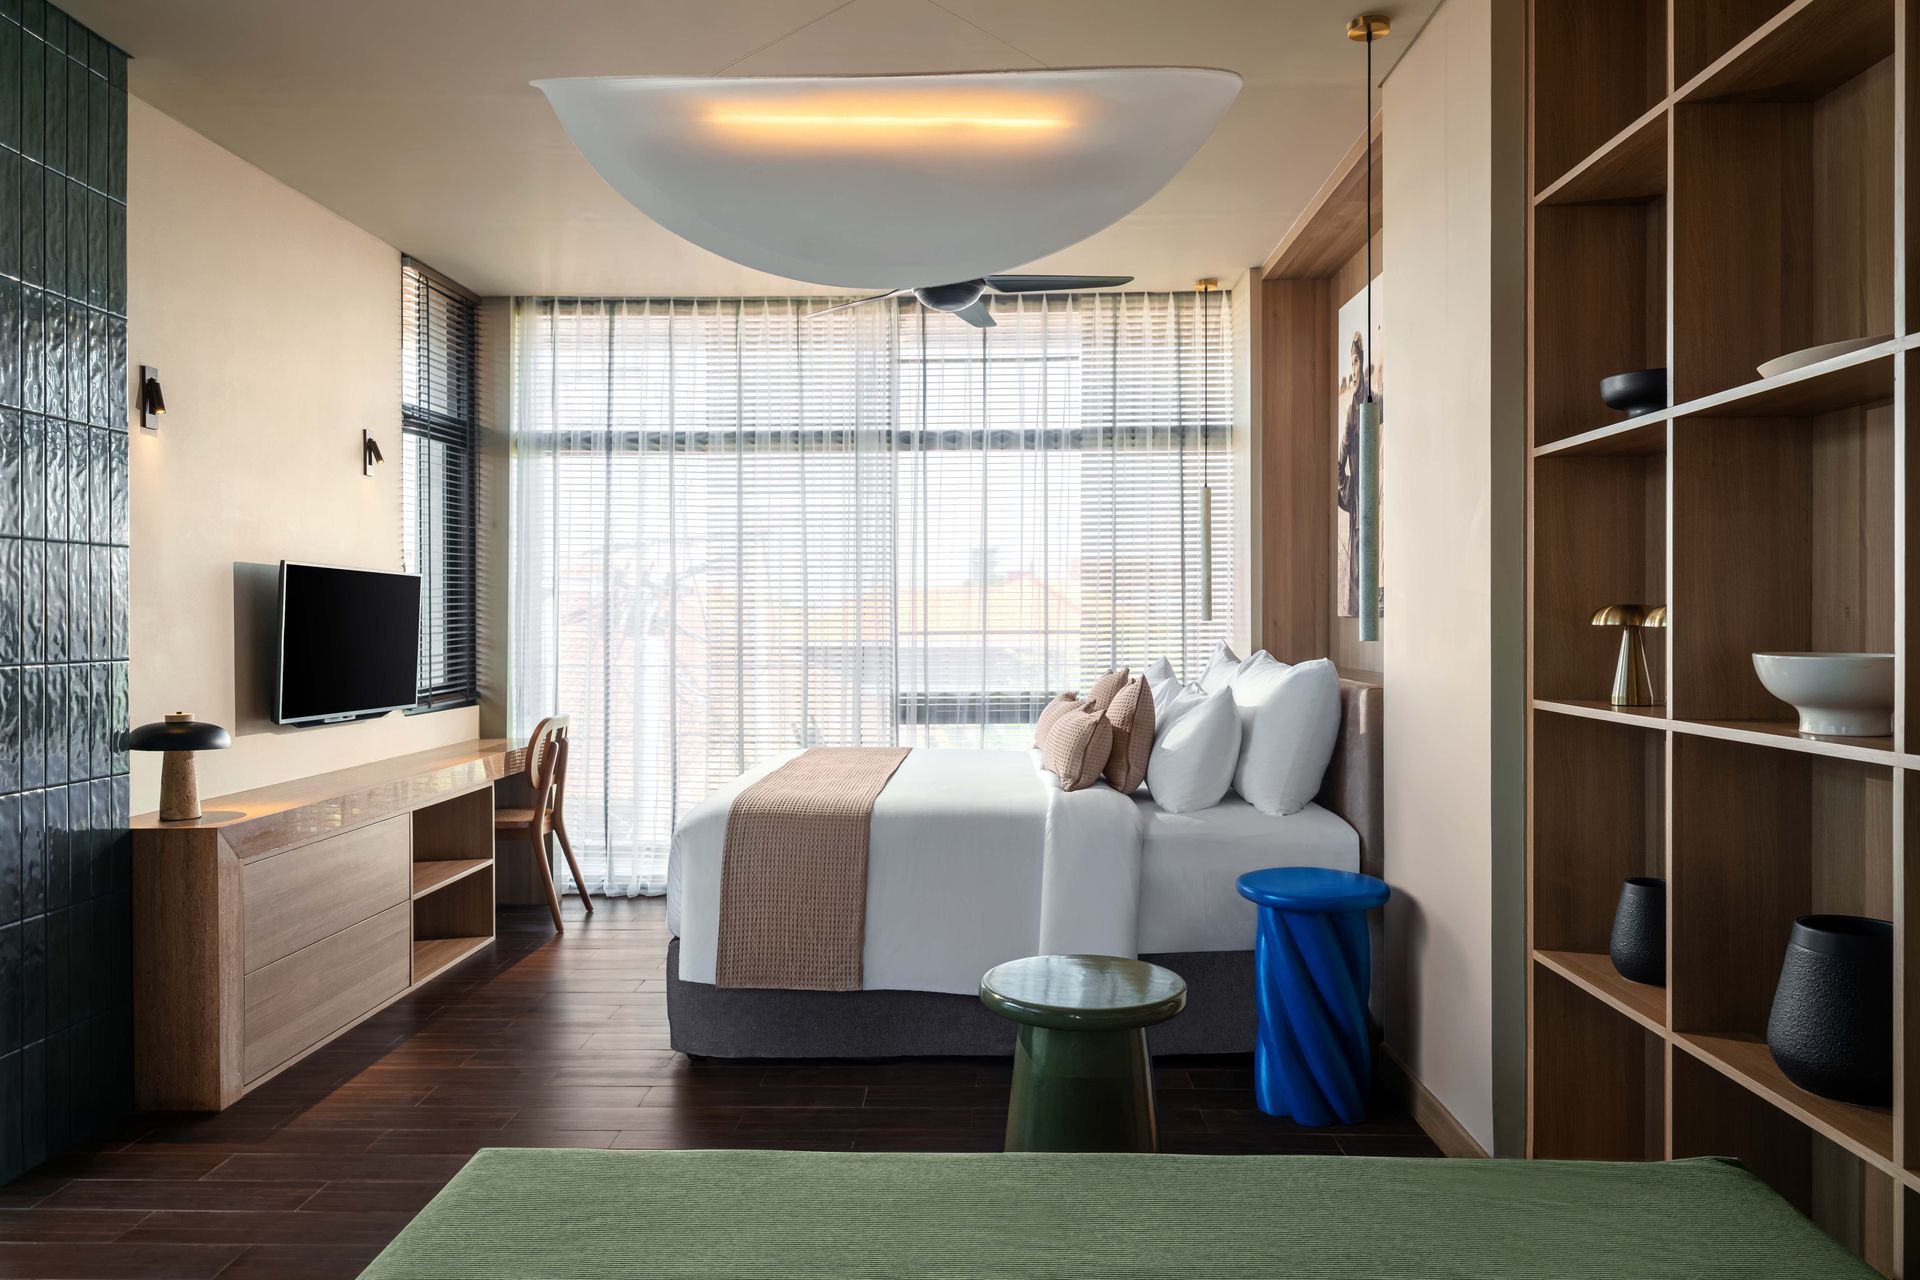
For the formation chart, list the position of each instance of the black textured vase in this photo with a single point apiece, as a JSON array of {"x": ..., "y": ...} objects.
[
  {"x": 1639, "y": 942},
  {"x": 1831, "y": 1029}
]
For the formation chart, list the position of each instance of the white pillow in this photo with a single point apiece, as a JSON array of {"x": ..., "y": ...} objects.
[
  {"x": 1181, "y": 698},
  {"x": 1165, "y": 686},
  {"x": 1192, "y": 763},
  {"x": 1220, "y": 668},
  {"x": 1289, "y": 718}
]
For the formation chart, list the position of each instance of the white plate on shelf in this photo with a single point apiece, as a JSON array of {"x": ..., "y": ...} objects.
[{"x": 1814, "y": 355}]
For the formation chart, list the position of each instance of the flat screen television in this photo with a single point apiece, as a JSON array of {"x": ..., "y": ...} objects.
[{"x": 349, "y": 643}]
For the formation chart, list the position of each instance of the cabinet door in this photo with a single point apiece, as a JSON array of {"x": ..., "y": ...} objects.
[
  {"x": 298, "y": 897},
  {"x": 295, "y": 1003}
]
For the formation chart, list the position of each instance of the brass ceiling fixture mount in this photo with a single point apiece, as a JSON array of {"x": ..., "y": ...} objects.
[{"x": 1368, "y": 26}]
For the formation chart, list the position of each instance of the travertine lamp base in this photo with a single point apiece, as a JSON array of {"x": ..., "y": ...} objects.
[{"x": 179, "y": 787}]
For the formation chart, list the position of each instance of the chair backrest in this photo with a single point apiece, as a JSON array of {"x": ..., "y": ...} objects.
[{"x": 545, "y": 752}]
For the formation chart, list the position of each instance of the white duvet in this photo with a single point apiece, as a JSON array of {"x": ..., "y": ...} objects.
[
  {"x": 978, "y": 857},
  {"x": 975, "y": 857}
]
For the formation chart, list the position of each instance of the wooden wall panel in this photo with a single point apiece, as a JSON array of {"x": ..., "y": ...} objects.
[
  {"x": 1741, "y": 501},
  {"x": 1296, "y": 469},
  {"x": 1629, "y": 37},
  {"x": 1574, "y": 1037},
  {"x": 1599, "y": 525},
  {"x": 1599, "y": 819},
  {"x": 1742, "y": 870},
  {"x": 1586, "y": 253}
]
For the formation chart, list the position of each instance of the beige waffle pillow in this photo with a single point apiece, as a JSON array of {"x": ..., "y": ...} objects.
[
  {"x": 1061, "y": 704},
  {"x": 1131, "y": 717},
  {"x": 1077, "y": 746},
  {"x": 1106, "y": 687}
]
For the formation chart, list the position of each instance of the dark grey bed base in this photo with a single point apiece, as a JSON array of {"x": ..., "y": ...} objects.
[{"x": 744, "y": 1022}]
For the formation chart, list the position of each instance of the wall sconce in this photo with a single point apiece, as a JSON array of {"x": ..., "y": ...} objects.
[
  {"x": 153, "y": 402},
  {"x": 369, "y": 453}
]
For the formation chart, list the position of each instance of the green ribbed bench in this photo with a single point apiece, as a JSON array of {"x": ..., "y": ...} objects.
[{"x": 726, "y": 1215}]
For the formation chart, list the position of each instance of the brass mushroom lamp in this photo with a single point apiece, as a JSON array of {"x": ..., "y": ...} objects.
[
  {"x": 179, "y": 736},
  {"x": 1632, "y": 681}
]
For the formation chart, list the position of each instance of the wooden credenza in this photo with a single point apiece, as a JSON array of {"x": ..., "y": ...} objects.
[{"x": 287, "y": 915}]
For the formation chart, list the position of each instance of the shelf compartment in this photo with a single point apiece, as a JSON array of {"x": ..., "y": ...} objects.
[
  {"x": 1783, "y": 541},
  {"x": 1785, "y": 735},
  {"x": 1596, "y": 975},
  {"x": 1597, "y": 709},
  {"x": 1907, "y": 718},
  {"x": 1761, "y": 836},
  {"x": 1599, "y": 817},
  {"x": 1783, "y": 228},
  {"x": 1636, "y": 437},
  {"x": 1906, "y": 956},
  {"x": 1630, "y": 166},
  {"x": 1599, "y": 1078},
  {"x": 1718, "y": 1112},
  {"x": 1802, "y": 52},
  {"x": 438, "y": 873},
  {"x": 1867, "y": 1132},
  {"x": 1597, "y": 69},
  {"x": 459, "y": 827},
  {"x": 1600, "y": 528},
  {"x": 1857, "y": 380},
  {"x": 1600, "y": 308},
  {"x": 1705, "y": 30},
  {"x": 434, "y": 956}
]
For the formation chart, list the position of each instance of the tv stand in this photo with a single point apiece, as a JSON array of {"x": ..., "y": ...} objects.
[{"x": 284, "y": 916}]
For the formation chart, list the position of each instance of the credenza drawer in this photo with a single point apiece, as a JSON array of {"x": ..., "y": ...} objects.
[
  {"x": 295, "y": 1003},
  {"x": 303, "y": 895}
]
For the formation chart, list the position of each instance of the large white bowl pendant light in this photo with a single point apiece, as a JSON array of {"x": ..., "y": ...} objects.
[{"x": 883, "y": 182}]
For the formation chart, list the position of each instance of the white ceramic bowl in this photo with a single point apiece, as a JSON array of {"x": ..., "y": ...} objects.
[{"x": 1843, "y": 695}]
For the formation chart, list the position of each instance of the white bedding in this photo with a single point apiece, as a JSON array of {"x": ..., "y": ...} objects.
[
  {"x": 977, "y": 857},
  {"x": 1190, "y": 861}
]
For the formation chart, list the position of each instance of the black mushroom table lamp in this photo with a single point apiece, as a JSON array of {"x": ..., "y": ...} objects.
[{"x": 179, "y": 735}]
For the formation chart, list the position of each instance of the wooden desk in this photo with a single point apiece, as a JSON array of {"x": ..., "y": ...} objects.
[{"x": 289, "y": 914}]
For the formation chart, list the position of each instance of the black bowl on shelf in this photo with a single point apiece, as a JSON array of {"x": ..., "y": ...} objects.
[
  {"x": 1831, "y": 1028},
  {"x": 1643, "y": 391}
]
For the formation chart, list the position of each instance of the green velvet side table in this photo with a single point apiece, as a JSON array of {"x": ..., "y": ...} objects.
[{"x": 1082, "y": 1078}]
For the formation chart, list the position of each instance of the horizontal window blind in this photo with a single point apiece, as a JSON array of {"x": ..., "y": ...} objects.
[
  {"x": 740, "y": 530},
  {"x": 438, "y": 351}
]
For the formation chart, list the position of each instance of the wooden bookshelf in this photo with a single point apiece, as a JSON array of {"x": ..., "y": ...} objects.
[{"x": 1716, "y": 183}]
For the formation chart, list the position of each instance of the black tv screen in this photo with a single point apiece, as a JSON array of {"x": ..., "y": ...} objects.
[{"x": 349, "y": 643}]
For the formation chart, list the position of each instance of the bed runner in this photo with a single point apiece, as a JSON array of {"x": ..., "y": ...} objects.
[{"x": 793, "y": 880}]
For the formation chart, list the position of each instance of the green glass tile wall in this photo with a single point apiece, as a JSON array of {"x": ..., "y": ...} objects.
[{"x": 65, "y": 872}]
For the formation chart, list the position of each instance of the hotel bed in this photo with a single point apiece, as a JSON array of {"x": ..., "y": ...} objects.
[{"x": 976, "y": 857}]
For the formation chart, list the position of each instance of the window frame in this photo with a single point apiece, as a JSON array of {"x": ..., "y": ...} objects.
[{"x": 457, "y": 433}]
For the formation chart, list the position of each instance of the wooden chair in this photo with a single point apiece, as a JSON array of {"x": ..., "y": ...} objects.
[{"x": 546, "y": 766}]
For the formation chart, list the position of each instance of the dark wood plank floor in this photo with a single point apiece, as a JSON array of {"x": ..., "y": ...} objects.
[{"x": 540, "y": 1041}]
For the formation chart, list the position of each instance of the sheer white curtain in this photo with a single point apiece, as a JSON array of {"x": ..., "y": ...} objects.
[{"x": 738, "y": 530}]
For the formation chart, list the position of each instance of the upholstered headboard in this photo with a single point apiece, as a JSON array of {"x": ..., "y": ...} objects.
[{"x": 1352, "y": 787}]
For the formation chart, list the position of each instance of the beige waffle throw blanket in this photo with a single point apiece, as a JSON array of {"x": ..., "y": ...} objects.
[{"x": 793, "y": 883}]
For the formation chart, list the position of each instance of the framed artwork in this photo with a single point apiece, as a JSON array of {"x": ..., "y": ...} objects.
[{"x": 1354, "y": 377}]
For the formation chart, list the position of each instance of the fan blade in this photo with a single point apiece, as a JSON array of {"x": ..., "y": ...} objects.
[
  {"x": 977, "y": 315},
  {"x": 1053, "y": 284},
  {"x": 842, "y": 306}
]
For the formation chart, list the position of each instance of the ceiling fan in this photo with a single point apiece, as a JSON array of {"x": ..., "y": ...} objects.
[{"x": 968, "y": 300}]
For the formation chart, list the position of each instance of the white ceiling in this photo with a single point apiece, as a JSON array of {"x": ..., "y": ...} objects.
[{"x": 414, "y": 118}]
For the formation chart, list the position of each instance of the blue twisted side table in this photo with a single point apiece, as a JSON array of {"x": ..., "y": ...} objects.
[{"x": 1313, "y": 971}]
